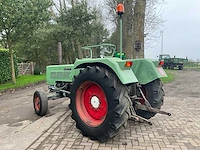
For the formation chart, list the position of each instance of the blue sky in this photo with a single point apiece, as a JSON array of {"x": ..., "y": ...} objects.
[{"x": 182, "y": 30}]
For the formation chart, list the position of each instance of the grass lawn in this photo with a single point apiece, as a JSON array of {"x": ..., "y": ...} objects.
[
  {"x": 170, "y": 77},
  {"x": 23, "y": 80},
  {"x": 194, "y": 67}
]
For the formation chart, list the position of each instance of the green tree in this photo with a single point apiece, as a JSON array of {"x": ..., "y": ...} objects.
[
  {"x": 78, "y": 21},
  {"x": 41, "y": 47},
  {"x": 81, "y": 26},
  {"x": 73, "y": 24},
  {"x": 18, "y": 20}
]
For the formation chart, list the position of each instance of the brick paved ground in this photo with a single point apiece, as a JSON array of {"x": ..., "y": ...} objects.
[{"x": 181, "y": 131}]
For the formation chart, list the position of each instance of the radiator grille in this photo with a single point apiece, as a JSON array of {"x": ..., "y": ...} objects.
[{"x": 59, "y": 75}]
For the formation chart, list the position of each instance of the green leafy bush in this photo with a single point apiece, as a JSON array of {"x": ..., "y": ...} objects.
[
  {"x": 5, "y": 68},
  {"x": 37, "y": 71}
]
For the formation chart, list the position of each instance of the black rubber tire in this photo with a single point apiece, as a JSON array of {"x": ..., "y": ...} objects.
[
  {"x": 155, "y": 95},
  {"x": 172, "y": 66},
  {"x": 180, "y": 67},
  {"x": 116, "y": 97},
  {"x": 40, "y": 103}
]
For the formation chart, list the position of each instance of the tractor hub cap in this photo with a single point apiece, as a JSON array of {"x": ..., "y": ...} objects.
[
  {"x": 95, "y": 102},
  {"x": 91, "y": 103}
]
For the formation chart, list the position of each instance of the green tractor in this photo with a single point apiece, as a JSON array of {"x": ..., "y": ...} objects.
[{"x": 106, "y": 91}]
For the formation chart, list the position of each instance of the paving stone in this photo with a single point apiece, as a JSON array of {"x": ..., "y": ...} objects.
[{"x": 179, "y": 132}]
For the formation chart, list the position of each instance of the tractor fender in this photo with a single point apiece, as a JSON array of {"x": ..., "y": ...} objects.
[
  {"x": 125, "y": 75},
  {"x": 147, "y": 71}
]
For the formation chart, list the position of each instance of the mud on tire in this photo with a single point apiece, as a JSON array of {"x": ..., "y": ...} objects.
[{"x": 99, "y": 103}]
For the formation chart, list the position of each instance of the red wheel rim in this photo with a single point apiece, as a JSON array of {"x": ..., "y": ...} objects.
[
  {"x": 37, "y": 103},
  {"x": 91, "y": 103}
]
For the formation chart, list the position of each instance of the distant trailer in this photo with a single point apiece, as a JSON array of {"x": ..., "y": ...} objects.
[{"x": 172, "y": 63}]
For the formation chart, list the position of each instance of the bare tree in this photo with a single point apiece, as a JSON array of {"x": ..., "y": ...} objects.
[
  {"x": 154, "y": 22},
  {"x": 140, "y": 20},
  {"x": 138, "y": 28}
]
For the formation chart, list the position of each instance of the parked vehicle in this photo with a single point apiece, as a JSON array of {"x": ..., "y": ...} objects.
[
  {"x": 171, "y": 63},
  {"x": 105, "y": 91}
]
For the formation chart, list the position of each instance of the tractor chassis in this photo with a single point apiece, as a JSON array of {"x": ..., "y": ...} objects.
[{"x": 55, "y": 93}]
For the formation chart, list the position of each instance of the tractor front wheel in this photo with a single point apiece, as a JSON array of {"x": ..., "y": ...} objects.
[
  {"x": 40, "y": 103},
  {"x": 154, "y": 93},
  {"x": 99, "y": 103}
]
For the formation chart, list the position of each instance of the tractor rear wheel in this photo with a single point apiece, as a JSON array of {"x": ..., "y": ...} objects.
[
  {"x": 171, "y": 66},
  {"x": 99, "y": 103},
  {"x": 180, "y": 67},
  {"x": 154, "y": 93}
]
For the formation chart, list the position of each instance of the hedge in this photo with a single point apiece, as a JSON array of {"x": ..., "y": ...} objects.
[{"x": 5, "y": 67}]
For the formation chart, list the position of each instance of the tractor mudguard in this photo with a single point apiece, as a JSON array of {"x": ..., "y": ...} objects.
[
  {"x": 125, "y": 74},
  {"x": 146, "y": 70}
]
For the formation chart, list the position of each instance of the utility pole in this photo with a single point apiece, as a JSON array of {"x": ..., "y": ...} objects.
[{"x": 161, "y": 41}]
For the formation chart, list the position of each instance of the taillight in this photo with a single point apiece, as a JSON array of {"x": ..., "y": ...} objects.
[
  {"x": 161, "y": 63},
  {"x": 128, "y": 64}
]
